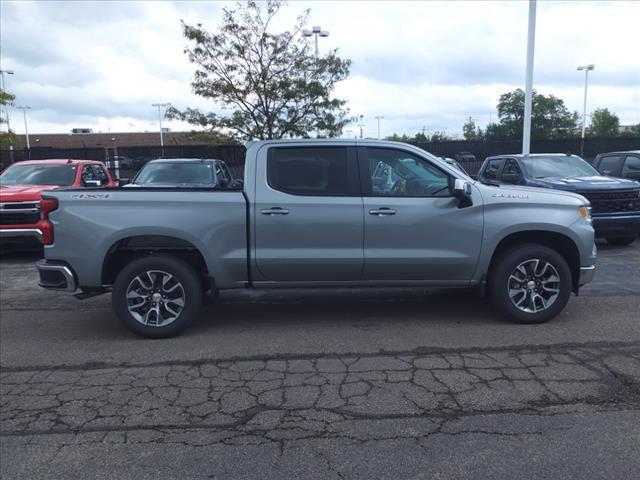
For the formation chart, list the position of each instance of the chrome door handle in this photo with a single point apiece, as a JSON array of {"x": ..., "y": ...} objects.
[
  {"x": 275, "y": 211},
  {"x": 382, "y": 211}
]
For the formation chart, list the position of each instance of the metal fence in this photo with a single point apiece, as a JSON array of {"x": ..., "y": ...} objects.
[{"x": 233, "y": 155}]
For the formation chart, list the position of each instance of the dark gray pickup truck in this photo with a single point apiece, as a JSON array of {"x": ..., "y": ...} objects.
[{"x": 322, "y": 213}]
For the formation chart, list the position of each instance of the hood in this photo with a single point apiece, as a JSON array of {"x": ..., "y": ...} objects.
[
  {"x": 21, "y": 193},
  {"x": 585, "y": 184},
  {"x": 530, "y": 193}
]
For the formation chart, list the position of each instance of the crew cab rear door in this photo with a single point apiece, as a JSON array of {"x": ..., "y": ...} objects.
[
  {"x": 308, "y": 215},
  {"x": 413, "y": 228}
]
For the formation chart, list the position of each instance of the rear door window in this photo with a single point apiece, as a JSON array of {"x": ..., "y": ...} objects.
[
  {"x": 609, "y": 165},
  {"x": 631, "y": 165},
  {"x": 323, "y": 171}
]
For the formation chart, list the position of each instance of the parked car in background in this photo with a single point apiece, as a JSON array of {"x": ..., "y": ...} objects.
[
  {"x": 455, "y": 164},
  {"x": 619, "y": 164},
  {"x": 615, "y": 202},
  {"x": 469, "y": 162},
  {"x": 321, "y": 213},
  {"x": 22, "y": 183},
  {"x": 184, "y": 172}
]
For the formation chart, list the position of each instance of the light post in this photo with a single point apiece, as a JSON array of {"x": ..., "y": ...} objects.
[
  {"x": 586, "y": 69},
  {"x": 6, "y": 108},
  {"x": 315, "y": 32},
  {"x": 160, "y": 105},
  {"x": 378, "y": 118},
  {"x": 26, "y": 128},
  {"x": 528, "y": 89}
]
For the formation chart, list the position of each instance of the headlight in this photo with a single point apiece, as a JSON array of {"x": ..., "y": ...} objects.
[{"x": 585, "y": 212}]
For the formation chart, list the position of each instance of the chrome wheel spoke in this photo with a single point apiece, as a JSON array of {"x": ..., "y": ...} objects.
[
  {"x": 147, "y": 300},
  {"x": 534, "y": 285}
]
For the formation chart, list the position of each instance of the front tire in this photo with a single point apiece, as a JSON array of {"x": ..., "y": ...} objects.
[
  {"x": 620, "y": 241},
  {"x": 530, "y": 284},
  {"x": 157, "y": 296}
]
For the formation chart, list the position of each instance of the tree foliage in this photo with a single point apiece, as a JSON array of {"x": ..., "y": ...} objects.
[
  {"x": 471, "y": 131},
  {"x": 420, "y": 137},
  {"x": 270, "y": 84},
  {"x": 603, "y": 124},
  {"x": 550, "y": 116},
  {"x": 7, "y": 138}
]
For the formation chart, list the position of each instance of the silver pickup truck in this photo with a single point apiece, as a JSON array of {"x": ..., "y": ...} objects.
[{"x": 319, "y": 213}]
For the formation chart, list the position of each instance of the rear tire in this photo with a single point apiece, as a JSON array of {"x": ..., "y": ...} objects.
[
  {"x": 530, "y": 283},
  {"x": 157, "y": 296},
  {"x": 620, "y": 241}
]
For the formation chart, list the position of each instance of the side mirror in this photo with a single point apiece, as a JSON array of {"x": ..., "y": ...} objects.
[
  {"x": 92, "y": 183},
  {"x": 461, "y": 190},
  {"x": 123, "y": 181},
  {"x": 511, "y": 177}
]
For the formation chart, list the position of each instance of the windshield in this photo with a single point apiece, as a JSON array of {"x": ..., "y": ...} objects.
[
  {"x": 558, "y": 166},
  {"x": 177, "y": 173},
  {"x": 38, "y": 175}
]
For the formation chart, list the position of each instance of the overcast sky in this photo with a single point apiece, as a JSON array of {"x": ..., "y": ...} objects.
[{"x": 419, "y": 64}]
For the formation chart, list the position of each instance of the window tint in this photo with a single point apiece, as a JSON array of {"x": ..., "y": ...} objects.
[
  {"x": 309, "y": 170},
  {"x": 399, "y": 174},
  {"x": 609, "y": 164},
  {"x": 100, "y": 174},
  {"x": 631, "y": 164},
  {"x": 492, "y": 169},
  {"x": 511, "y": 167},
  {"x": 88, "y": 173}
]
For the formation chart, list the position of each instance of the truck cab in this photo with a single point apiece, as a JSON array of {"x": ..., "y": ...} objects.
[{"x": 615, "y": 202}]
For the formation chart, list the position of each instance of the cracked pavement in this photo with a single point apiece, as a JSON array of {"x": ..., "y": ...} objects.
[{"x": 370, "y": 393}]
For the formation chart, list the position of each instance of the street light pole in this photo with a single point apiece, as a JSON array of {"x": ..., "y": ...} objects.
[
  {"x": 378, "y": 118},
  {"x": 528, "y": 91},
  {"x": 586, "y": 69},
  {"x": 6, "y": 108},
  {"x": 315, "y": 32},
  {"x": 160, "y": 105},
  {"x": 26, "y": 128}
]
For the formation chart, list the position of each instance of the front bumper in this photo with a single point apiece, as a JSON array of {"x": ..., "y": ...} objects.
[
  {"x": 14, "y": 233},
  {"x": 56, "y": 276},
  {"x": 617, "y": 225},
  {"x": 586, "y": 275}
]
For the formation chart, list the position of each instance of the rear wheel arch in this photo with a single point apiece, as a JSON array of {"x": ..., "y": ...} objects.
[{"x": 128, "y": 249}]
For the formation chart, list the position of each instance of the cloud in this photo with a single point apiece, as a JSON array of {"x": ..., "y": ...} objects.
[{"x": 434, "y": 64}]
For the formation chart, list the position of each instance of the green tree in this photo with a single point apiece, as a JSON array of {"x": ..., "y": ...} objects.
[
  {"x": 270, "y": 84},
  {"x": 631, "y": 131},
  {"x": 6, "y": 138},
  {"x": 603, "y": 124},
  {"x": 471, "y": 131},
  {"x": 550, "y": 118},
  {"x": 439, "y": 137}
]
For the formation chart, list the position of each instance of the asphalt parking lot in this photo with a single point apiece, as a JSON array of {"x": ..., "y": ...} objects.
[{"x": 346, "y": 384}]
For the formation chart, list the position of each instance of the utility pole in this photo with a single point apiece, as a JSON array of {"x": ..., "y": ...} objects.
[
  {"x": 528, "y": 91},
  {"x": 26, "y": 128},
  {"x": 378, "y": 118},
  {"x": 586, "y": 69},
  {"x": 315, "y": 32},
  {"x": 160, "y": 105},
  {"x": 6, "y": 107}
]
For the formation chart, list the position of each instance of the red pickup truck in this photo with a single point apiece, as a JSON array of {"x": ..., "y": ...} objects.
[{"x": 22, "y": 183}]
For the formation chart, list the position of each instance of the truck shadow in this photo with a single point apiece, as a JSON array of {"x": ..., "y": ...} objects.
[{"x": 355, "y": 307}]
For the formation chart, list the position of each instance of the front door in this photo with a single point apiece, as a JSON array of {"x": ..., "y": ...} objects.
[
  {"x": 413, "y": 228},
  {"x": 308, "y": 215}
]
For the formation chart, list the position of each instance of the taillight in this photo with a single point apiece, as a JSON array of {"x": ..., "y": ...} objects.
[{"x": 47, "y": 205}]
